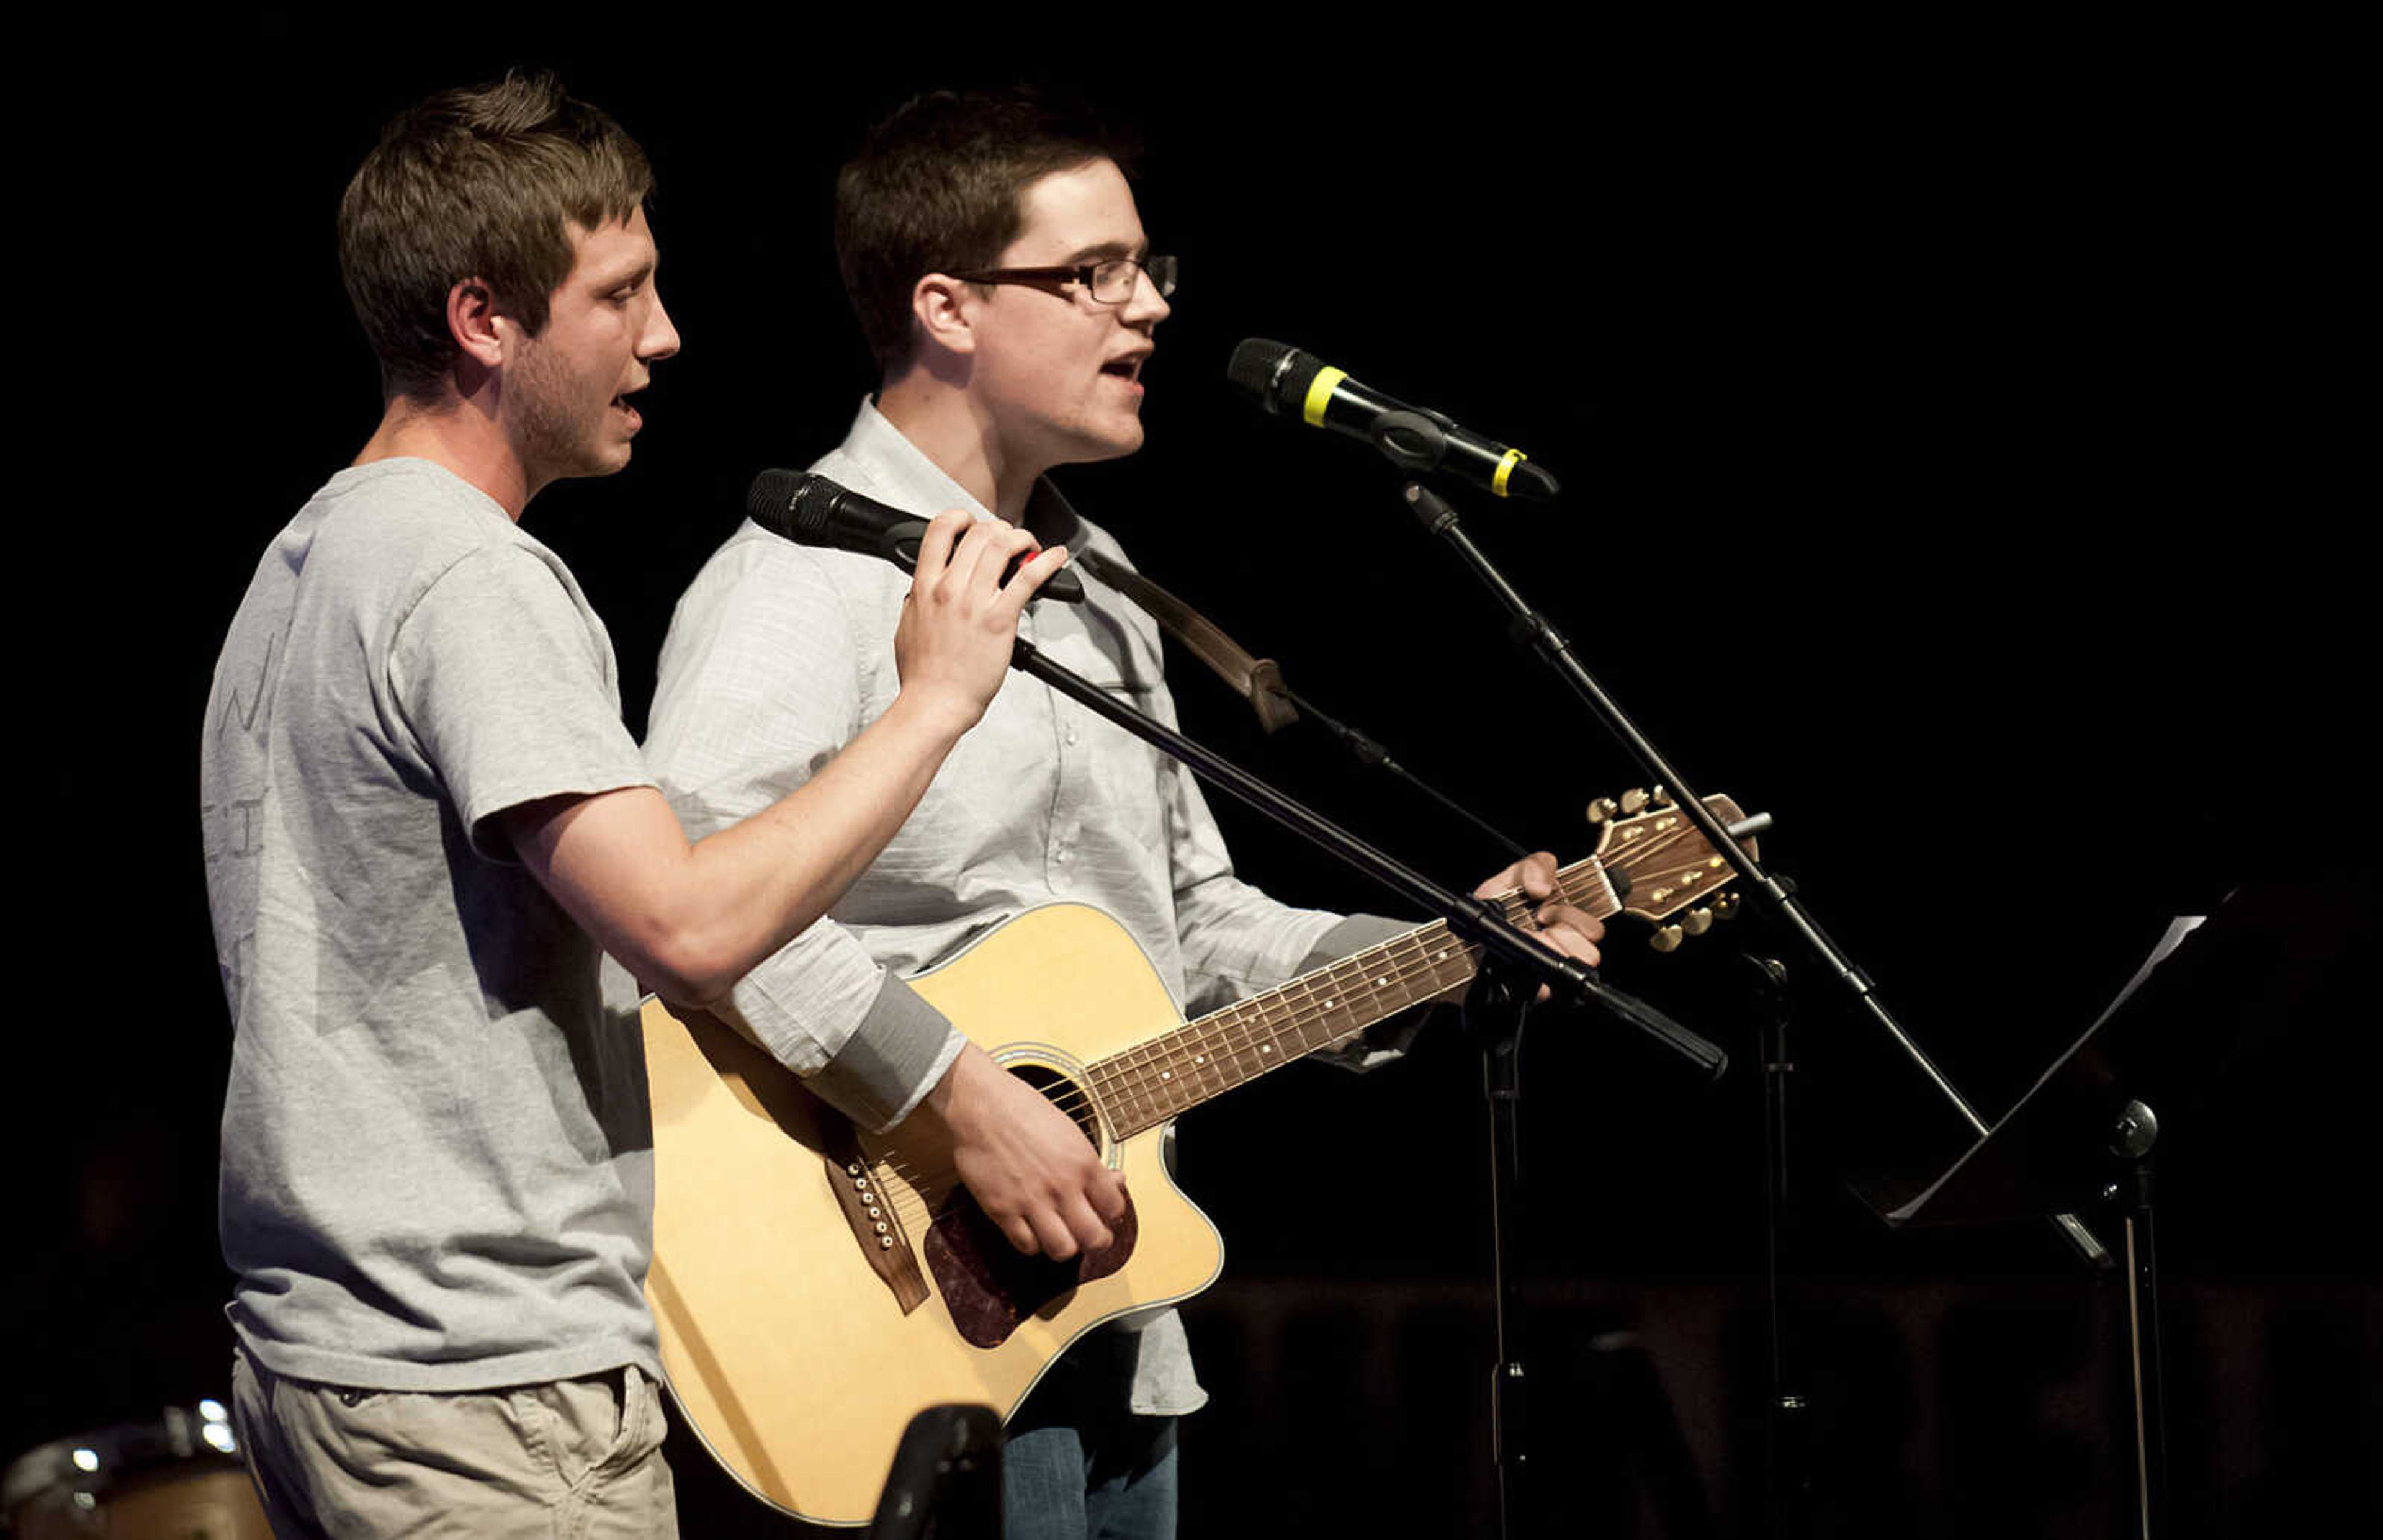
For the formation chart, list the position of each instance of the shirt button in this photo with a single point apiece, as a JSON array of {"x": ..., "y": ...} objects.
[{"x": 1071, "y": 737}]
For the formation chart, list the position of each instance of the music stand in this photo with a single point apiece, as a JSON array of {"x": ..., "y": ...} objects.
[{"x": 2212, "y": 992}]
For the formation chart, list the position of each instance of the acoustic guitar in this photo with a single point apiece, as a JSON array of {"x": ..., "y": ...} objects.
[{"x": 816, "y": 1287}]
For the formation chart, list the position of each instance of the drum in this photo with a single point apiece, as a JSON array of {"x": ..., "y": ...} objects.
[{"x": 178, "y": 1478}]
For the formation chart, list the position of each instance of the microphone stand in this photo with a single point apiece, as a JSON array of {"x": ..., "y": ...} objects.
[
  {"x": 1788, "y": 1484},
  {"x": 1494, "y": 1012},
  {"x": 1371, "y": 755},
  {"x": 1777, "y": 893}
]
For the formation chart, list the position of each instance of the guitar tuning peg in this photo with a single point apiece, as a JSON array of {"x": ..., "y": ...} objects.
[
  {"x": 1635, "y": 799},
  {"x": 1665, "y": 939},
  {"x": 1602, "y": 808},
  {"x": 1724, "y": 906},
  {"x": 1696, "y": 921},
  {"x": 1661, "y": 797}
]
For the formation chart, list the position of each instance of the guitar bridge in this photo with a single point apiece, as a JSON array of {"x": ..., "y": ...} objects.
[{"x": 875, "y": 1227}]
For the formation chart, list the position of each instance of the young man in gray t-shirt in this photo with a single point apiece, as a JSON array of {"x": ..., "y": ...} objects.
[{"x": 424, "y": 818}]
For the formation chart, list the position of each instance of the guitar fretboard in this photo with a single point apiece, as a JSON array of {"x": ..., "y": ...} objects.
[{"x": 1155, "y": 1081}]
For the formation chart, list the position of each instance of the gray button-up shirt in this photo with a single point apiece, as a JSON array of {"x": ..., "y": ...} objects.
[{"x": 779, "y": 654}]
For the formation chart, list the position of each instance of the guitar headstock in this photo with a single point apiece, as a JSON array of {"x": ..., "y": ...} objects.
[{"x": 1671, "y": 866}]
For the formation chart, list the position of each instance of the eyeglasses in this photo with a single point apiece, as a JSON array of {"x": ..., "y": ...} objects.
[{"x": 1109, "y": 283}]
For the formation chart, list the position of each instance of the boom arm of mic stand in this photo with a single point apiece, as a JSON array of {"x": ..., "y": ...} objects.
[
  {"x": 1778, "y": 895},
  {"x": 1471, "y": 917},
  {"x": 1366, "y": 751}
]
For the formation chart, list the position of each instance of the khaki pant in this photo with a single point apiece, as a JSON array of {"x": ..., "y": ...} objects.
[{"x": 577, "y": 1459}]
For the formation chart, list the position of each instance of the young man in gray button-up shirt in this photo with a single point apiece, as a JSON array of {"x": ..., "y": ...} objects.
[{"x": 995, "y": 255}]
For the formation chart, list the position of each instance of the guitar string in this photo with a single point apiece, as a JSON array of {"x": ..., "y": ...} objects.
[
  {"x": 1186, "y": 1051},
  {"x": 1244, "y": 1035},
  {"x": 1130, "y": 1097},
  {"x": 1124, "y": 1070},
  {"x": 1428, "y": 952},
  {"x": 1199, "y": 1045},
  {"x": 1195, "y": 1046}
]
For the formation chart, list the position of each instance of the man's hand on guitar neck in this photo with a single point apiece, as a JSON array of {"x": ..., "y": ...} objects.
[
  {"x": 1559, "y": 926},
  {"x": 1024, "y": 1161}
]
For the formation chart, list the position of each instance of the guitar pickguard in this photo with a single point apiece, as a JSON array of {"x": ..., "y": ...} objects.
[{"x": 989, "y": 1287}]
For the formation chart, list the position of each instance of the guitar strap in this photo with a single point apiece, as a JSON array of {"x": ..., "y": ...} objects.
[{"x": 1258, "y": 680}]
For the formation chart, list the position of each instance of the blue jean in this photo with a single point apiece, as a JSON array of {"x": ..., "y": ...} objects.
[{"x": 1078, "y": 1465}]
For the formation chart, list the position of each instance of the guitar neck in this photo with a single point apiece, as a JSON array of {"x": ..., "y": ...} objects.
[{"x": 1155, "y": 1081}]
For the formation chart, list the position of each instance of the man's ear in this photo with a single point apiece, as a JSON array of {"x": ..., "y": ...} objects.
[
  {"x": 473, "y": 322},
  {"x": 944, "y": 309}
]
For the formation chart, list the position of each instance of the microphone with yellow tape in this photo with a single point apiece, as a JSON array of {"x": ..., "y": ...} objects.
[{"x": 1289, "y": 383}]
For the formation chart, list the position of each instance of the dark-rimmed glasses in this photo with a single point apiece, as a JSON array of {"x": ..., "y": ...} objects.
[{"x": 1109, "y": 283}]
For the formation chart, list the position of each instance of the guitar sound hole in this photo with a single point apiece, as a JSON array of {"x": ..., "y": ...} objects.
[{"x": 1065, "y": 1094}]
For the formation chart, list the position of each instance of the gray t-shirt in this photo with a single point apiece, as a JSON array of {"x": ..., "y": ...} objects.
[{"x": 436, "y": 1150}]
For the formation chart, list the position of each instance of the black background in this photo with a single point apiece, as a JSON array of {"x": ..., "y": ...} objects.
[{"x": 1954, "y": 430}]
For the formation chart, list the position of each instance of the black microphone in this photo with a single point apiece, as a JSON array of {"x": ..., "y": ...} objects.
[
  {"x": 813, "y": 511},
  {"x": 1292, "y": 383}
]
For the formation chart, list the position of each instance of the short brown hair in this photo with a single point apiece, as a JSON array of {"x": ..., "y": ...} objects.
[
  {"x": 476, "y": 183},
  {"x": 935, "y": 190}
]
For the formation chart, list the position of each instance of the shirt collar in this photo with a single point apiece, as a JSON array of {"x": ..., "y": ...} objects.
[{"x": 903, "y": 469}]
